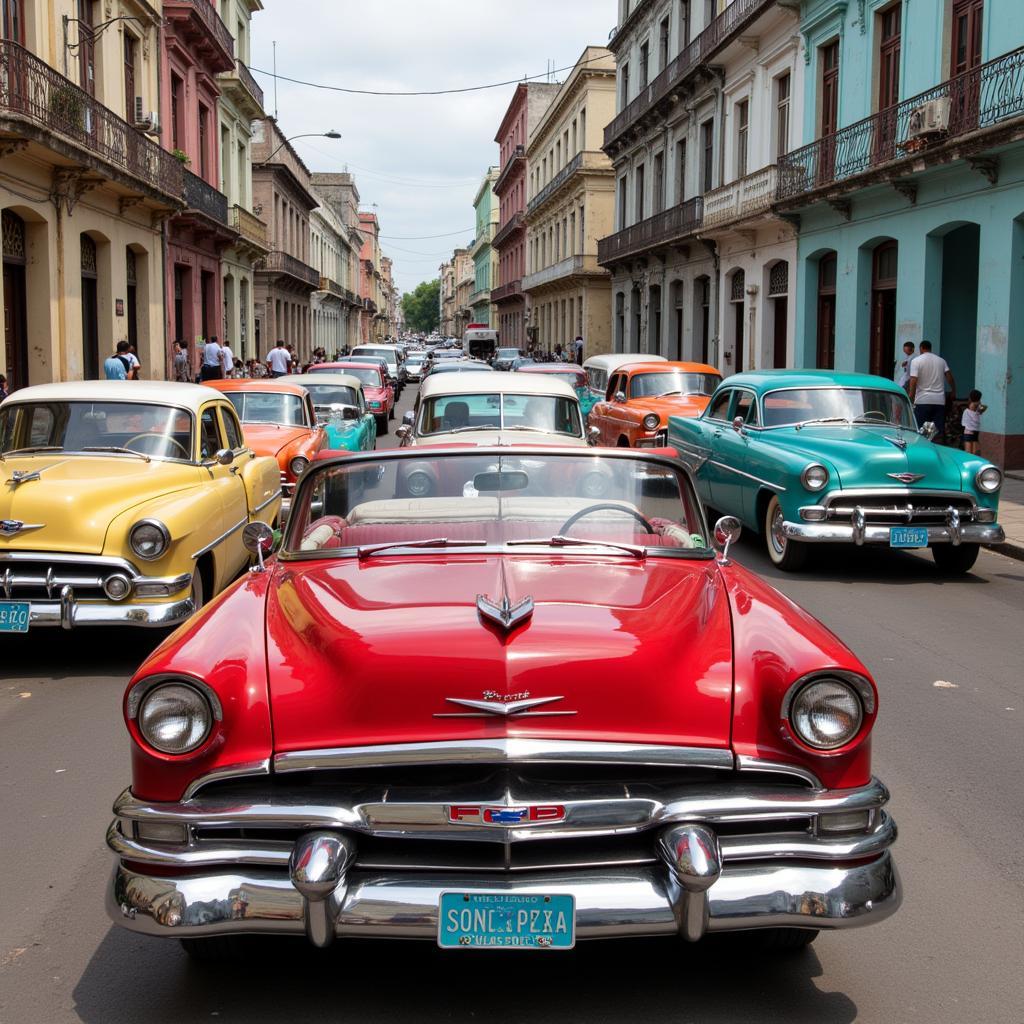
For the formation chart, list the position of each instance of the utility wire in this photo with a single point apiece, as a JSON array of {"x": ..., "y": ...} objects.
[{"x": 424, "y": 238}]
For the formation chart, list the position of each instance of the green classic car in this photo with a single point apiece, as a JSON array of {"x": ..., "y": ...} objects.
[
  {"x": 341, "y": 409},
  {"x": 815, "y": 456}
]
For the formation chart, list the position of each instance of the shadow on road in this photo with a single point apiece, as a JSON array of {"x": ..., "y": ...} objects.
[
  {"x": 640, "y": 980},
  {"x": 60, "y": 654}
]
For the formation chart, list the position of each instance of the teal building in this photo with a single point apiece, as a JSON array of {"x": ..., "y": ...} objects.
[
  {"x": 485, "y": 256},
  {"x": 908, "y": 195}
]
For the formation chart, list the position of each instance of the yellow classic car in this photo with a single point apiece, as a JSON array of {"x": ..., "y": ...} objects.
[{"x": 123, "y": 502}]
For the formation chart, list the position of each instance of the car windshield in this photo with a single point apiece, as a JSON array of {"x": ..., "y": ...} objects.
[
  {"x": 837, "y": 405},
  {"x": 460, "y": 367},
  {"x": 620, "y": 505},
  {"x": 388, "y": 356},
  {"x": 549, "y": 413},
  {"x": 156, "y": 431},
  {"x": 507, "y": 353},
  {"x": 367, "y": 375},
  {"x": 332, "y": 394},
  {"x": 268, "y": 407},
  {"x": 672, "y": 382}
]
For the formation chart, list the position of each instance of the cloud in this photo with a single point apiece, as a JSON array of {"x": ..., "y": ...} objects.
[{"x": 431, "y": 141}]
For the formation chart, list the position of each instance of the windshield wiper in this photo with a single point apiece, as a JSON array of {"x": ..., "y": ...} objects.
[
  {"x": 561, "y": 541},
  {"x": 825, "y": 419},
  {"x": 37, "y": 448},
  {"x": 536, "y": 430},
  {"x": 367, "y": 550},
  {"x": 117, "y": 449}
]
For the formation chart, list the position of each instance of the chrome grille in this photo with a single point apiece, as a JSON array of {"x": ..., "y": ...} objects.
[
  {"x": 880, "y": 508},
  {"x": 40, "y": 578}
]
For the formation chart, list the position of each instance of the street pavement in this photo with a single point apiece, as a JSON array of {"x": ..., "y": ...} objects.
[{"x": 948, "y": 743}]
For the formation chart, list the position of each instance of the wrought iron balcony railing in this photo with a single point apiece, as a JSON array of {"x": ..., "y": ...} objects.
[
  {"x": 669, "y": 226},
  {"x": 249, "y": 226},
  {"x": 283, "y": 263},
  {"x": 748, "y": 196},
  {"x": 981, "y": 98},
  {"x": 569, "y": 267},
  {"x": 480, "y": 295},
  {"x": 241, "y": 79},
  {"x": 508, "y": 229},
  {"x": 203, "y": 197},
  {"x": 332, "y": 287},
  {"x": 31, "y": 92},
  {"x": 555, "y": 183},
  {"x": 733, "y": 19},
  {"x": 507, "y": 290},
  {"x": 206, "y": 23},
  {"x": 517, "y": 155}
]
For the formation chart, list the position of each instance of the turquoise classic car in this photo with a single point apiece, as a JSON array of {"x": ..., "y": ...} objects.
[
  {"x": 341, "y": 409},
  {"x": 813, "y": 456}
]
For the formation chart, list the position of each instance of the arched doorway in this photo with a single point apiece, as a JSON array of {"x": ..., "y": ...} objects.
[
  {"x": 654, "y": 320},
  {"x": 826, "y": 318},
  {"x": 778, "y": 299},
  {"x": 958, "y": 324},
  {"x": 634, "y": 337},
  {"x": 702, "y": 314},
  {"x": 883, "y": 308},
  {"x": 90, "y": 310},
  {"x": 131, "y": 300},
  {"x": 737, "y": 299},
  {"x": 15, "y": 259},
  {"x": 620, "y": 322},
  {"x": 676, "y": 349}
]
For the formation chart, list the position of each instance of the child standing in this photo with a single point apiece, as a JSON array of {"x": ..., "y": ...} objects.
[{"x": 971, "y": 421}]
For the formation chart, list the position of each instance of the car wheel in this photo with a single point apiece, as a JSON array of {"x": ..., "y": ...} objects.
[
  {"x": 955, "y": 561},
  {"x": 382, "y": 426},
  {"x": 787, "y": 554},
  {"x": 783, "y": 940}
]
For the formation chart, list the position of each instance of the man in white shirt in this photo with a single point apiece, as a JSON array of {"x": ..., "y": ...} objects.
[
  {"x": 213, "y": 365},
  {"x": 279, "y": 360},
  {"x": 227, "y": 360},
  {"x": 903, "y": 365},
  {"x": 929, "y": 375}
]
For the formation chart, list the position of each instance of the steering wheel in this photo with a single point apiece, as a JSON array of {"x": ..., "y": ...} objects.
[
  {"x": 602, "y": 507},
  {"x": 160, "y": 437},
  {"x": 871, "y": 414}
]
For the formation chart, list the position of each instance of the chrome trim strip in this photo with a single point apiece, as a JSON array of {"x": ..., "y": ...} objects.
[
  {"x": 220, "y": 540},
  {"x": 259, "y": 508},
  {"x": 231, "y": 771},
  {"x": 64, "y": 557},
  {"x": 106, "y": 613},
  {"x": 856, "y": 493},
  {"x": 749, "y": 476},
  {"x": 746, "y": 763},
  {"x": 504, "y": 751}
]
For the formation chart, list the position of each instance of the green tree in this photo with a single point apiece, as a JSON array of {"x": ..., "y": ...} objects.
[{"x": 422, "y": 307}]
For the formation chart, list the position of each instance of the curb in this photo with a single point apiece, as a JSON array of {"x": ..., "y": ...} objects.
[{"x": 1011, "y": 549}]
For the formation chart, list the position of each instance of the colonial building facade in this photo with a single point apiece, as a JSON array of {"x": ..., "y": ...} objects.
[
  {"x": 338, "y": 193},
  {"x": 485, "y": 256},
  {"x": 570, "y": 206}
]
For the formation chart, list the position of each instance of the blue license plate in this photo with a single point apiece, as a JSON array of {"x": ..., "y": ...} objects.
[
  {"x": 497, "y": 920},
  {"x": 908, "y": 537},
  {"x": 14, "y": 616}
]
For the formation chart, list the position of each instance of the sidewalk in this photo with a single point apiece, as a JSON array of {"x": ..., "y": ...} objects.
[{"x": 1011, "y": 514}]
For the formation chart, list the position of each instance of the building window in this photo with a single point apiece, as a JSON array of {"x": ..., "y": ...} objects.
[
  {"x": 659, "y": 182},
  {"x": 645, "y": 60},
  {"x": 639, "y": 193},
  {"x": 622, "y": 202},
  {"x": 829, "y": 88},
  {"x": 583, "y": 233},
  {"x": 965, "y": 52},
  {"x": 583, "y": 128},
  {"x": 782, "y": 90},
  {"x": 12, "y": 24},
  {"x": 129, "y": 77},
  {"x": 684, "y": 23},
  {"x": 624, "y": 87},
  {"x": 663, "y": 44},
  {"x": 889, "y": 58},
  {"x": 742, "y": 136},
  {"x": 177, "y": 106},
  {"x": 707, "y": 134},
  {"x": 709, "y": 12},
  {"x": 680, "y": 170},
  {"x": 826, "y": 342},
  {"x": 575, "y": 143}
]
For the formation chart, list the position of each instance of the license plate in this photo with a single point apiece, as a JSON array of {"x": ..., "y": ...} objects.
[
  {"x": 14, "y": 616},
  {"x": 908, "y": 537},
  {"x": 495, "y": 920}
]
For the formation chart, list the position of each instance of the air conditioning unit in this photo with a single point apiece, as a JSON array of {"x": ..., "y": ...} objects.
[
  {"x": 931, "y": 118},
  {"x": 146, "y": 121}
]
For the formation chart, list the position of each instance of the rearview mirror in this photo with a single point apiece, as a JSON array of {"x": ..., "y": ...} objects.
[
  {"x": 737, "y": 424},
  {"x": 258, "y": 540},
  {"x": 403, "y": 432},
  {"x": 928, "y": 430},
  {"x": 503, "y": 480}
]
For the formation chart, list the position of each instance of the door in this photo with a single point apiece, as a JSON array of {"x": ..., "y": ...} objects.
[
  {"x": 826, "y": 337},
  {"x": 829, "y": 110},
  {"x": 888, "y": 83},
  {"x": 612, "y": 422},
  {"x": 15, "y": 303},
  {"x": 965, "y": 57},
  {"x": 739, "y": 315},
  {"x": 86, "y": 47},
  {"x": 732, "y": 492},
  {"x": 90, "y": 312},
  {"x": 779, "y": 328},
  {"x": 232, "y": 507},
  {"x": 883, "y": 309}
]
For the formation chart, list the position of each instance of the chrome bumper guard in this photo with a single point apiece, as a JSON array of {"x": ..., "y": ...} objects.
[
  {"x": 699, "y": 881},
  {"x": 68, "y": 612},
  {"x": 858, "y": 532}
]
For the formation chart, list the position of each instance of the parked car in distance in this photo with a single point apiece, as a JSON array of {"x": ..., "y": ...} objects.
[
  {"x": 599, "y": 368},
  {"x": 458, "y": 366},
  {"x": 123, "y": 503},
  {"x": 415, "y": 364},
  {"x": 814, "y": 456},
  {"x": 504, "y": 716},
  {"x": 279, "y": 421},
  {"x": 641, "y": 397},
  {"x": 505, "y": 357},
  {"x": 341, "y": 410},
  {"x": 573, "y": 375},
  {"x": 380, "y": 395},
  {"x": 394, "y": 357}
]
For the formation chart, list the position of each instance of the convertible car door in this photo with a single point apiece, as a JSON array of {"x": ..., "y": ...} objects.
[
  {"x": 714, "y": 423},
  {"x": 734, "y": 490},
  {"x": 225, "y": 538}
]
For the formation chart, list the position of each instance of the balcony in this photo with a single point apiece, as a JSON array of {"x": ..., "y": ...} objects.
[
  {"x": 517, "y": 159},
  {"x": 571, "y": 266},
  {"x": 616, "y": 35},
  {"x": 509, "y": 290},
  {"x": 198, "y": 22},
  {"x": 38, "y": 104},
  {"x": 282, "y": 263},
  {"x": 240, "y": 86},
  {"x": 746, "y": 198},
  {"x": 666, "y": 228},
  {"x": 483, "y": 238},
  {"x": 332, "y": 287},
  {"x": 507, "y": 230},
  {"x": 722, "y": 30},
  {"x": 250, "y": 227},
  {"x": 202, "y": 197},
  {"x": 984, "y": 99},
  {"x": 479, "y": 296}
]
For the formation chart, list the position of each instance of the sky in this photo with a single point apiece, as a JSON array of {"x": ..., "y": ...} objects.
[{"x": 418, "y": 161}]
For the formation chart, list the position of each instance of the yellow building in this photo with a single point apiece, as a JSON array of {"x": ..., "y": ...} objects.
[
  {"x": 84, "y": 188},
  {"x": 570, "y": 205}
]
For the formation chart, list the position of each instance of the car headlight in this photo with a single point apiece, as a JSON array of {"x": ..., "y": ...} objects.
[
  {"x": 988, "y": 479},
  {"x": 652, "y": 422},
  {"x": 814, "y": 477},
  {"x": 175, "y": 717},
  {"x": 827, "y": 712},
  {"x": 298, "y": 466},
  {"x": 149, "y": 539}
]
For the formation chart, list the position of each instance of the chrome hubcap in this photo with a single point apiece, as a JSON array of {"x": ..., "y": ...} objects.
[{"x": 778, "y": 537}]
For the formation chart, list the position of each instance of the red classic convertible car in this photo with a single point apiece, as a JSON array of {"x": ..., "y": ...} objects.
[{"x": 507, "y": 715}]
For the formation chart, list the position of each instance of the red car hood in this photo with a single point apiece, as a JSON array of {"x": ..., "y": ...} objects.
[{"x": 367, "y": 653}]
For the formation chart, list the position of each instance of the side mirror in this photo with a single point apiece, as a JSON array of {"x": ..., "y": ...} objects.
[
  {"x": 727, "y": 532},
  {"x": 222, "y": 458},
  {"x": 403, "y": 432},
  {"x": 593, "y": 433},
  {"x": 928, "y": 431},
  {"x": 737, "y": 425},
  {"x": 409, "y": 418},
  {"x": 620, "y": 396},
  {"x": 349, "y": 412},
  {"x": 258, "y": 540}
]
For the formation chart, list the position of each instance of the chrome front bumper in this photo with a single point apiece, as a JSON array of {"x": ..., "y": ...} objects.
[
  {"x": 703, "y": 878},
  {"x": 840, "y": 533},
  {"x": 68, "y": 612}
]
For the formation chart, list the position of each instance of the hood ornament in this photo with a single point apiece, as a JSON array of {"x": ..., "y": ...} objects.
[
  {"x": 505, "y": 615},
  {"x": 906, "y": 478},
  {"x": 515, "y": 705},
  {"x": 21, "y": 476},
  {"x": 900, "y": 442},
  {"x": 12, "y": 527}
]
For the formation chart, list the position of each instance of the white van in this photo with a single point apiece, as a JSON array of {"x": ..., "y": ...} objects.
[
  {"x": 599, "y": 368},
  {"x": 480, "y": 343}
]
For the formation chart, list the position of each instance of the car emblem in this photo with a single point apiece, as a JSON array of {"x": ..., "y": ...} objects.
[
  {"x": 516, "y": 705},
  {"x": 11, "y": 527},
  {"x": 496, "y": 815},
  {"x": 900, "y": 442},
  {"x": 505, "y": 615},
  {"x": 22, "y": 476},
  {"x": 906, "y": 478}
]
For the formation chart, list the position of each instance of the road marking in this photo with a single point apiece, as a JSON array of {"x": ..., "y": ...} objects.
[{"x": 942, "y": 684}]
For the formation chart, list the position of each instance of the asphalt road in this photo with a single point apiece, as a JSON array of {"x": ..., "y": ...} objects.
[{"x": 948, "y": 743}]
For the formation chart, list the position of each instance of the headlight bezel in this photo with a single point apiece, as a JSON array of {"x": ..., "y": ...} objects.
[
  {"x": 302, "y": 469},
  {"x": 145, "y": 688},
  {"x": 164, "y": 533},
  {"x": 648, "y": 425},
  {"x": 805, "y": 479},
  {"x": 986, "y": 469},
  {"x": 862, "y": 691}
]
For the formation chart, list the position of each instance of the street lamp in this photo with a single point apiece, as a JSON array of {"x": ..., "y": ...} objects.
[{"x": 309, "y": 135}]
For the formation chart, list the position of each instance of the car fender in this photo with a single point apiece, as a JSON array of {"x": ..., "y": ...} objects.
[{"x": 262, "y": 480}]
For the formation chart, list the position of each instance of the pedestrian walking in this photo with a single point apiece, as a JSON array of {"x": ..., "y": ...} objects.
[
  {"x": 929, "y": 375},
  {"x": 213, "y": 365},
  {"x": 180, "y": 364},
  {"x": 3, "y": 387},
  {"x": 227, "y": 360},
  {"x": 578, "y": 348},
  {"x": 116, "y": 366},
  {"x": 971, "y": 422},
  {"x": 134, "y": 367},
  {"x": 903, "y": 366},
  {"x": 279, "y": 360}
]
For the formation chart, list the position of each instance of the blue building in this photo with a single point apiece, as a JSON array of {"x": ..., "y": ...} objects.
[{"x": 908, "y": 195}]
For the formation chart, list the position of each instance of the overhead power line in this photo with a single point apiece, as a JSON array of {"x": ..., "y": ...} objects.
[{"x": 425, "y": 238}]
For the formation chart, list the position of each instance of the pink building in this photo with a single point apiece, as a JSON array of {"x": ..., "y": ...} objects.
[
  {"x": 370, "y": 281},
  {"x": 529, "y": 104}
]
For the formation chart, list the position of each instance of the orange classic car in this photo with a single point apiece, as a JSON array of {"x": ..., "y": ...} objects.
[
  {"x": 278, "y": 419},
  {"x": 641, "y": 397}
]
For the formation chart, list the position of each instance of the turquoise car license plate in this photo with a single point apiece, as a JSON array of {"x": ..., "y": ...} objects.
[
  {"x": 908, "y": 537},
  {"x": 14, "y": 616},
  {"x": 497, "y": 920}
]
